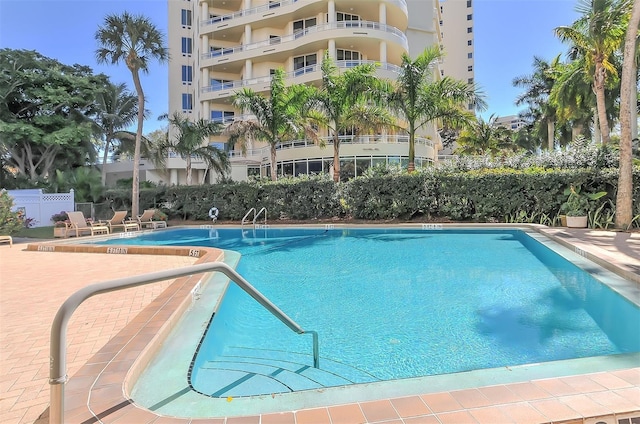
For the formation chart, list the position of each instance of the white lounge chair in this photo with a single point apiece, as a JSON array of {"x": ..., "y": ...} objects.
[
  {"x": 118, "y": 221},
  {"x": 78, "y": 223},
  {"x": 146, "y": 220}
]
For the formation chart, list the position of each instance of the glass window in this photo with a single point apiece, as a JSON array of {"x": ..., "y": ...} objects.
[
  {"x": 469, "y": 55},
  {"x": 470, "y": 68},
  {"x": 304, "y": 23},
  {"x": 187, "y": 101},
  {"x": 187, "y": 74},
  {"x": 301, "y": 64},
  {"x": 274, "y": 4},
  {"x": 300, "y": 167},
  {"x": 468, "y": 3},
  {"x": 469, "y": 17},
  {"x": 186, "y": 17},
  {"x": 469, "y": 30},
  {"x": 469, "y": 42},
  {"x": 222, "y": 116},
  {"x": 470, "y": 81},
  {"x": 342, "y": 54},
  {"x": 218, "y": 145},
  {"x": 187, "y": 45}
]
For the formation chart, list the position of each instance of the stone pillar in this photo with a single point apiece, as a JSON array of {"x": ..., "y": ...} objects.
[
  {"x": 173, "y": 177},
  {"x": 383, "y": 13},
  {"x": 331, "y": 12},
  {"x": 383, "y": 52}
]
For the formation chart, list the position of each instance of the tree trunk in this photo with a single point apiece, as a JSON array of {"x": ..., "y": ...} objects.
[
  {"x": 336, "y": 157},
  {"x": 599, "y": 79},
  {"x": 624, "y": 197},
  {"x": 597, "y": 134},
  {"x": 135, "y": 189},
  {"x": 274, "y": 168},
  {"x": 551, "y": 132},
  {"x": 104, "y": 161},
  {"x": 412, "y": 149},
  {"x": 189, "y": 171}
]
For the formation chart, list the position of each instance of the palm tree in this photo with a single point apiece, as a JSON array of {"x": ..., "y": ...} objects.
[
  {"x": 538, "y": 86},
  {"x": 117, "y": 109},
  {"x": 485, "y": 138},
  {"x": 136, "y": 41},
  {"x": 277, "y": 117},
  {"x": 188, "y": 143},
  {"x": 348, "y": 101},
  {"x": 420, "y": 100},
  {"x": 595, "y": 37},
  {"x": 624, "y": 197}
]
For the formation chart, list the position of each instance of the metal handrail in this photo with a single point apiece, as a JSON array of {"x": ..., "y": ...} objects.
[
  {"x": 244, "y": 218},
  {"x": 57, "y": 368},
  {"x": 255, "y": 218}
]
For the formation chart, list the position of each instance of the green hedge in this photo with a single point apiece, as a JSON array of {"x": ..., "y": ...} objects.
[{"x": 487, "y": 195}]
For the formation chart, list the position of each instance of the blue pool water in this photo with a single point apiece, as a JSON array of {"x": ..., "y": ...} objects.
[{"x": 396, "y": 303}]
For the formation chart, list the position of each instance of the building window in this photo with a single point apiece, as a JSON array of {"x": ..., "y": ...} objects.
[
  {"x": 304, "y": 64},
  {"x": 342, "y": 54},
  {"x": 469, "y": 42},
  {"x": 222, "y": 116},
  {"x": 273, "y": 4},
  {"x": 469, "y": 30},
  {"x": 187, "y": 74},
  {"x": 303, "y": 24},
  {"x": 346, "y": 17},
  {"x": 274, "y": 39},
  {"x": 441, "y": 72},
  {"x": 470, "y": 81},
  {"x": 469, "y": 17},
  {"x": 468, "y": 3},
  {"x": 469, "y": 55},
  {"x": 186, "y": 17},
  {"x": 218, "y": 145},
  {"x": 187, "y": 45},
  {"x": 441, "y": 22},
  {"x": 470, "y": 68},
  {"x": 187, "y": 101},
  {"x": 220, "y": 84}
]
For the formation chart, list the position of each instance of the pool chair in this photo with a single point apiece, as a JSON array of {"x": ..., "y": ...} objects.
[
  {"x": 118, "y": 221},
  {"x": 146, "y": 220},
  {"x": 78, "y": 224}
]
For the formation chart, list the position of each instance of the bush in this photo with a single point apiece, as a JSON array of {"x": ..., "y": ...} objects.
[{"x": 10, "y": 221}]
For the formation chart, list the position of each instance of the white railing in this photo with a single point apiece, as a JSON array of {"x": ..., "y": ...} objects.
[
  {"x": 41, "y": 206},
  {"x": 365, "y": 25},
  {"x": 267, "y": 7},
  {"x": 342, "y": 64}
]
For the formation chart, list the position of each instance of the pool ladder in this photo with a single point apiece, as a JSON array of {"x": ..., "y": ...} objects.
[
  {"x": 256, "y": 215},
  {"x": 58, "y": 349}
]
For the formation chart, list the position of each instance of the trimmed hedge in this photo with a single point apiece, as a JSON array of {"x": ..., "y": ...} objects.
[{"x": 487, "y": 195}]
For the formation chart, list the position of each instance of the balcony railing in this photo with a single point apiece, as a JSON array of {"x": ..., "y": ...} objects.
[
  {"x": 226, "y": 51},
  {"x": 267, "y": 7},
  {"x": 344, "y": 139},
  {"x": 230, "y": 85}
]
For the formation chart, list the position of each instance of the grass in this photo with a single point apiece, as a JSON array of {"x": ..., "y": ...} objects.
[{"x": 38, "y": 232}]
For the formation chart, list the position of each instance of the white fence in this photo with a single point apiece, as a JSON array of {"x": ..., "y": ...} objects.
[{"x": 40, "y": 206}]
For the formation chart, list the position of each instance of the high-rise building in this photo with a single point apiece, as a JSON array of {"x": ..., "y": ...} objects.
[{"x": 220, "y": 46}]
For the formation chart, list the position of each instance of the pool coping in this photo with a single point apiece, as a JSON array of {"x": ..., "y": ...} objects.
[{"x": 106, "y": 392}]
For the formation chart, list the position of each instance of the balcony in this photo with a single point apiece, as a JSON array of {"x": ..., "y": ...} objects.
[
  {"x": 266, "y": 10},
  {"x": 259, "y": 84},
  {"x": 368, "y": 31}
]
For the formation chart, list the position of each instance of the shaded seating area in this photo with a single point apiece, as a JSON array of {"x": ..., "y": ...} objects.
[
  {"x": 78, "y": 224},
  {"x": 119, "y": 220},
  {"x": 146, "y": 220}
]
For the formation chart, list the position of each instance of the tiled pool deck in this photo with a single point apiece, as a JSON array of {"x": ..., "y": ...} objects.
[{"x": 108, "y": 332}]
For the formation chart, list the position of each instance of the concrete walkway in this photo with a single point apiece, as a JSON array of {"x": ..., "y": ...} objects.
[{"x": 34, "y": 284}]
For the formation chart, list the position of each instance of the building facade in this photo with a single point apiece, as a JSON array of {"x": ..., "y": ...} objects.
[{"x": 220, "y": 46}]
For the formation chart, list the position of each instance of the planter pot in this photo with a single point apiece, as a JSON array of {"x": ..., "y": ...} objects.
[
  {"x": 577, "y": 221},
  {"x": 60, "y": 232},
  {"x": 563, "y": 220}
]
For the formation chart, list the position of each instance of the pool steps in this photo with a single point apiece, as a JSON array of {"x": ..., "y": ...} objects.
[{"x": 241, "y": 371}]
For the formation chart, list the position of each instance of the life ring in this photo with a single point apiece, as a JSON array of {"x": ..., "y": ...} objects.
[{"x": 213, "y": 213}]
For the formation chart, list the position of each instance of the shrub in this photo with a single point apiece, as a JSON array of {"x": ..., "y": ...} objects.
[{"x": 10, "y": 221}]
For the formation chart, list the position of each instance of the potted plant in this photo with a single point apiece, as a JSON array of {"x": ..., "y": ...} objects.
[
  {"x": 576, "y": 207},
  {"x": 60, "y": 221}
]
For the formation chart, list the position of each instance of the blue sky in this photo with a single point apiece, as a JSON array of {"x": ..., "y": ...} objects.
[{"x": 508, "y": 33}]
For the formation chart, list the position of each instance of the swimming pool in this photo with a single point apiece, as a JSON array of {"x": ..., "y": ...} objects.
[{"x": 499, "y": 316}]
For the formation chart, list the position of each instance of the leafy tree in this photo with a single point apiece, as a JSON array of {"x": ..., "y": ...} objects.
[
  {"x": 188, "y": 143},
  {"x": 85, "y": 182},
  {"x": 10, "y": 221},
  {"x": 485, "y": 138},
  {"x": 347, "y": 101},
  {"x": 117, "y": 110},
  {"x": 538, "y": 87},
  {"x": 624, "y": 197},
  {"x": 420, "y": 99},
  {"x": 45, "y": 113},
  {"x": 596, "y": 36},
  {"x": 277, "y": 117},
  {"x": 134, "y": 40}
]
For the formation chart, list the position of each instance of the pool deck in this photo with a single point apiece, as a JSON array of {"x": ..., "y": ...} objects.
[{"x": 108, "y": 332}]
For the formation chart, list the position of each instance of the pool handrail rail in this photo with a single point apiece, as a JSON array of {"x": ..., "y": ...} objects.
[{"x": 57, "y": 367}]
